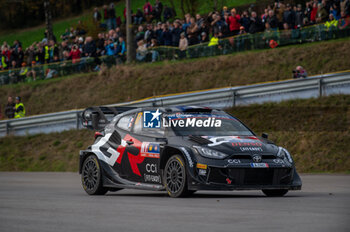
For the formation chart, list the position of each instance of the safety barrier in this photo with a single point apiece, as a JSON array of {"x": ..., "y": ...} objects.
[{"x": 316, "y": 86}]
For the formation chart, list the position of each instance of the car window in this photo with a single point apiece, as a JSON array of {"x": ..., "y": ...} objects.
[
  {"x": 125, "y": 122},
  {"x": 139, "y": 129}
]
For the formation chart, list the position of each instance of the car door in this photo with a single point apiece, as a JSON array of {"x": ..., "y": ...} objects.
[{"x": 148, "y": 143}]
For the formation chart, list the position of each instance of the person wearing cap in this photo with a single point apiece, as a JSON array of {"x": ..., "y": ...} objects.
[
  {"x": 20, "y": 111},
  {"x": 299, "y": 17},
  {"x": 204, "y": 37},
  {"x": 31, "y": 72},
  {"x": 23, "y": 72}
]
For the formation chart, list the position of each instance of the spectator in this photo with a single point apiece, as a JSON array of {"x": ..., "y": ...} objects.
[
  {"x": 272, "y": 20},
  {"x": 141, "y": 51},
  {"x": 299, "y": 72},
  {"x": 214, "y": 41},
  {"x": 192, "y": 32},
  {"x": 62, "y": 48},
  {"x": 289, "y": 16},
  {"x": 168, "y": 13},
  {"x": 299, "y": 17},
  {"x": 332, "y": 22},
  {"x": 121, "y": 48},
  {"x": 97, "y": 15},
  {"x": 183, "y": 45},
  {"x": 344, "y": 21},
  {"x": 89, "y": 48},
  {"x": 321, "y": 13},
  {"x": 149, "y": 34},
  {"x": 278, "y": 9},
  {"x": 10, "y": 108},
  {"x": 139, "y": 17},
  {"x": 110, "y": 50},
  {"x": 313, "y": 13},
  {"x": 75, "y": 54},
  {"x": 140, "y": 35},
  {"x": 233, "y": 22},
  {"x": 256, "y": 24},
  {"x": 224, "y": 11},
  {"x": 20, "y": 111},
  {"x": 204, "y": 37},
  {"x": 32, "y": 73},
  {"x": 112, "y": 16},
  {"x": 335, "y": 12},
  {"x": 23, "y": 72},
  {"x": 158, "y": 8},
  {"x": 147, "y": 11},
  {"x": 242, "y": 31},
  {"x": 175, "y": 34},
  {"x": 166, "y": 35},
  {"x": 245, "y": 20}
]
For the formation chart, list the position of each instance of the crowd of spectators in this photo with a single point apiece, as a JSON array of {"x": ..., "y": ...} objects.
[{"x": 157, "y": 25}]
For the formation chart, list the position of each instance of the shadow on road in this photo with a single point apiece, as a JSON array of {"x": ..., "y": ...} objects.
[{"x": 198, "y": 195}]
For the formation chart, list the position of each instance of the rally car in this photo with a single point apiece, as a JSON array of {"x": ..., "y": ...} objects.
[{"x": 180, "y": 150}]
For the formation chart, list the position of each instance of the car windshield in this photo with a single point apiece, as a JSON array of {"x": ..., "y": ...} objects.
[{"x": 204, "y": 124}]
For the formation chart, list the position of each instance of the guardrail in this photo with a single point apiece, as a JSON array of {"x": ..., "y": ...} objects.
[{"x": 316, "y": 86}]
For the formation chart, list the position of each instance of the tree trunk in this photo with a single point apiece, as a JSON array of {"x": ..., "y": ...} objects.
[
  {"x": 48, "y": 19},
  {"x": 182, "y": 8},
  {"x": 129, "y": 40}
]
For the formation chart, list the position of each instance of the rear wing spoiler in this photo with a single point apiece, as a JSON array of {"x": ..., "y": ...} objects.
[{"x": 97, "y": 117}]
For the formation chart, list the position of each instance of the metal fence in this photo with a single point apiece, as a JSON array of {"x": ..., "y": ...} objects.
[
  {"x": 219, "y": 98},
  {"x": 226, "y": 46},
  {"x": 261, "y": 40},
  {"x": 52, "y": 70}
]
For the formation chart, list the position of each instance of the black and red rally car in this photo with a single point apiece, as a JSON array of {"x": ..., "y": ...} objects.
[{"x": 180, "y": 150}]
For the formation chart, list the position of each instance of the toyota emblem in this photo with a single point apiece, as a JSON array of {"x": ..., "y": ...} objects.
[{"x": 257, "y": 158}]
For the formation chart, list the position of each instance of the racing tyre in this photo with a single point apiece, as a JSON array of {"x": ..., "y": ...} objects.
[
  {"x": 174, "y": 176},
  {"x": 275, "y": 192},
  {"x": 91, "y": 176}
]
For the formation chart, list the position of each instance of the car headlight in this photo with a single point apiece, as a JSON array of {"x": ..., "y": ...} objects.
[
  {"x": 284, "y": 154},
  {"x": 209, "y": 153}
]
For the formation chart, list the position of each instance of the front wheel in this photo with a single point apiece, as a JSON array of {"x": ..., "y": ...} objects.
[
  {"x": 275, "y": 192},
  {"x": 174, "y": 176},
  {"x": 91, "y": 177}
]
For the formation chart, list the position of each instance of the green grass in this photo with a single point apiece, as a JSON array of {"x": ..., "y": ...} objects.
[
  {"x": 29, "y": 35},
  {"x": 306, "y": 128}
]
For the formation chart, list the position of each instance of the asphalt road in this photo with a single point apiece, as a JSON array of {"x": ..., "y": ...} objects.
[{"x": 57, "y": 202}]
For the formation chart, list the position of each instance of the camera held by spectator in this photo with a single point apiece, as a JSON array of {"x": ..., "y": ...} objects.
[{"x": 299, "y": 72}]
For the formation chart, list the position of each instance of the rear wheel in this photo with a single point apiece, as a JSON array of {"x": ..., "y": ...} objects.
[
  {"x": 174, "y": 176},
  {"x": 91, "y": 176},
  {"x": 275, "y": 192}
]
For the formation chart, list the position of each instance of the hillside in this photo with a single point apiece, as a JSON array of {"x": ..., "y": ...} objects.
[
  {"x": 317, "y": 136},
  {"x": 135, "y": 81}
]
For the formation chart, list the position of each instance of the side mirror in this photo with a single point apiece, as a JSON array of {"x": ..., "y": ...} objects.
[
  {"x": 265, "y": 135},
  {"x": 162, "y": 140}
]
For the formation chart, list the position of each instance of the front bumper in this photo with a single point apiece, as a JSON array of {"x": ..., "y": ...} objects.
[{"x": 245, "y": 177}]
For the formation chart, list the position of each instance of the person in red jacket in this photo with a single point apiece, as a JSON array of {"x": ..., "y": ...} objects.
[
  {"x": 75, "y": 54},
  {"x": 233, "y": 22},
  {"x": 313, "y": 13}
]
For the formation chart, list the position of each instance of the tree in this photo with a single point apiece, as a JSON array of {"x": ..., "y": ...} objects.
[{"x": 48, "y": 19}]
